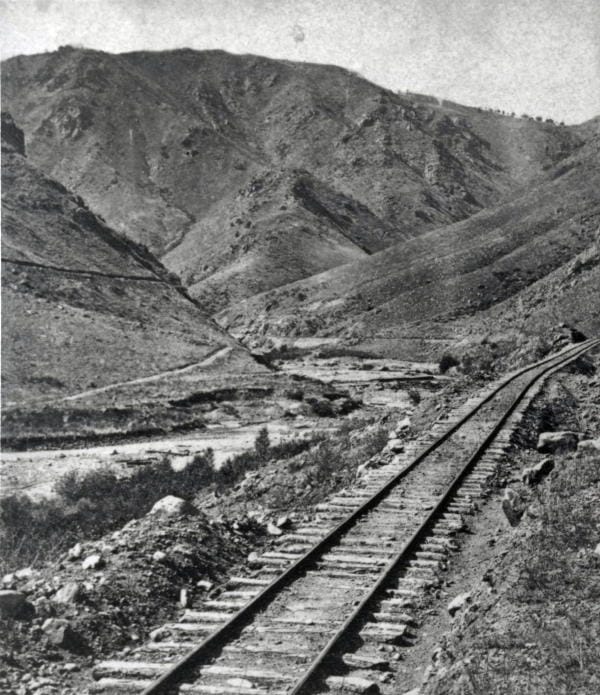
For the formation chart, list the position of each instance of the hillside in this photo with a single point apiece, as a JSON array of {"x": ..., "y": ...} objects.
[
  {"x": 244, "y": 174},
  {"x": 82, "y": 305},
  {"x": 454, "y": 276}
]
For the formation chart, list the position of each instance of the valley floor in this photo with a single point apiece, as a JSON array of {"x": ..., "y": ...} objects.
[{"x": 530, "y": 625}]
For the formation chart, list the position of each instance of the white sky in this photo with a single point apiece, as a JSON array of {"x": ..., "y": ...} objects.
[{"x": 541, "y": 57}]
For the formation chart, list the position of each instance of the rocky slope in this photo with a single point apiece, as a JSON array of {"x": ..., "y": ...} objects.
[
  {"x": 244, "y": 173},
  {"x": 523, "y": 251},
  {"x": 82, "y": 305}
]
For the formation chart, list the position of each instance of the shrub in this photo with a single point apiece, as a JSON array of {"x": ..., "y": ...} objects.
[
  {"x": 414, "y": 396},
  {"x": 90, "y": 504},
  {"x": 447, "y": 361},
  {"x": 262, "y": 444}
]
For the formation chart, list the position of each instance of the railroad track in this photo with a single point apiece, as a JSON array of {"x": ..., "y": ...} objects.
[{"x": 333, "y": 603}]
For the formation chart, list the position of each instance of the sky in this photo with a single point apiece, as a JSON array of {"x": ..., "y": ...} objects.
[{"x": 540, "y": 57}]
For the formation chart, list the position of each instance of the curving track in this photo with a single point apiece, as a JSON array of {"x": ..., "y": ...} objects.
[{"x": 335, "y": 598}]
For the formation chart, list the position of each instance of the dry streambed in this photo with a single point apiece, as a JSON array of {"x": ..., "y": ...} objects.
[{"x": 314, "y": 397}]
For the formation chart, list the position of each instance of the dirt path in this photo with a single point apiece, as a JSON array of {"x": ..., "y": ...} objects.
[{"x": 213, "y": 357}]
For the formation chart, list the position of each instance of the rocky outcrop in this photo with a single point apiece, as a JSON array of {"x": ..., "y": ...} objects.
[
  {"x": 557, "y": 442},
  {"x": 13, "y": 138}
]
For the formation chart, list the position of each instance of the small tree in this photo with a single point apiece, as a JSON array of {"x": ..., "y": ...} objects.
[{"x": 262, "y": 444}]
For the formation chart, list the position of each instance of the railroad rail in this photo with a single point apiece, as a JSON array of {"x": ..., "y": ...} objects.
[{"x": 316, "y": 611}]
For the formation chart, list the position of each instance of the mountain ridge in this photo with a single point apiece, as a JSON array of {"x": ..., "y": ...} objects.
[{"x": 166, "y": 146}]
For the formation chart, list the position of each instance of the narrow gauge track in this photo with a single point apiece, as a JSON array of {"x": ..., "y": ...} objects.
[{"x": 342, "y": 586}]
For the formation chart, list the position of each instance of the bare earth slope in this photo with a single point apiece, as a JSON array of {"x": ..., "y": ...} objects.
[
  {"x": 454, "y": 272},
  {"x": 243, "y": 173},
  {"x": 82, "y": 306}
]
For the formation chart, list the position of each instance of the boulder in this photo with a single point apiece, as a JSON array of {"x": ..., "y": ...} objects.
[
  {"x": 512, "y": 507},
  {"x": 159, "y": 556},
  {"x": 25, "y": 573},
  {"x": 404, "y": 424},
  {"x": 69, "y": 593},
  {"x": 273, "y": 530},
  {"x": 11, "y": 603},
  {"x": 75, "y": 552},
  {"x": 160, "y": 634},
  {"x": 172, "y": 506},
  {"x": 352, "y": 684},
  {"x": 458, "y": 603},
  {"x": 60, "y": 633},
  {"x": 533, "y": 474},
  {"x": 396, "y": 446},
  {"x": 597, "y": 550},
  {"x": 283, "y": 522},
  {"x": 93, "y": 562},
  {"x": 590, "y": 445},
  {"x": 552, "y": 442}
]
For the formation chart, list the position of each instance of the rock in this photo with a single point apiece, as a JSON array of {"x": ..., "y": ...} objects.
[
  {"x": 370, "y": 661},
  {"x": 25, "y": 573},
  {"x": 352, "y": 684},
  {"x": 589, "y": 445},
  {"x": 273, "y": 530},
  {"x": 159, "y": 556},
  {"x": 533, "y": 474},
  {"x": 11, "y": 603},
  {"x": 69, "y": 593},
  {"x": 8, "y": 579},
  {"x": 552, "y": 442},
  {"x": 254, "y": 560},
  {"x": 396, "y": 446},
  {"x": 93, "y": 562},
  {"x": 70, "y": 667},
  {"x": 60, "y": 633},
  {"x": 283, "y": 522},
  {"x": 512, "y": 507},
  {"x": 159, "y": 635},
  {"x": 240, "y": 683},
  {"x": 172, "y": 506},
  {"x": 75, "y": 552},
  {"x": 458, "y": 603}
]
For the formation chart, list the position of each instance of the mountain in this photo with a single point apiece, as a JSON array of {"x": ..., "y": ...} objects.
[
  {"x": 510, "y": 264},
  {"x": 244, "y": 174},
  {"x": 83, "y": 306}
]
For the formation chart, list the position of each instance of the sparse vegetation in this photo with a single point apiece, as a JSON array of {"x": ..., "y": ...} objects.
[
  {"x": 262, "y": 444},
  {"x": 414, "y": 395},
  {"x": 88, "y": 505},
  {"x": 236, "y": 467},
  {"x": 447, "y": 361}
]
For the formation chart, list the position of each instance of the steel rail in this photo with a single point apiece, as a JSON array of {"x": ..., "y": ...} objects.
[
  {"x": 360, "y": 612},
  {"x": 220, "y": 636}
]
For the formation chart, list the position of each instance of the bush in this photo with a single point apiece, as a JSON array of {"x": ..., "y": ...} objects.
[
  {"x": 89, "y": 505},
  {"x": 262, "y": 444},
  {"x": 414, "y": 396},
  {"x": 447, "y": 361}
]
